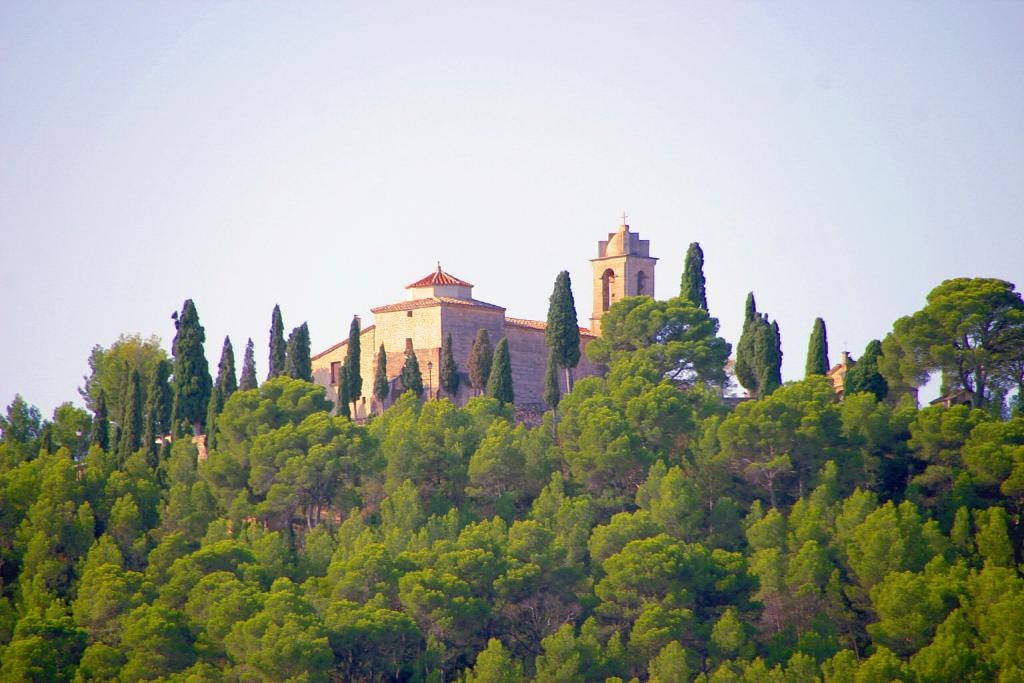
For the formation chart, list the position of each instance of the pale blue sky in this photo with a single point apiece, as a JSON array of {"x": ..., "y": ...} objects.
[{"x": 838, "y": 159}]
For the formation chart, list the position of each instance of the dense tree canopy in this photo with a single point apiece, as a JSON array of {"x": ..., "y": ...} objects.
[{"x": 653, "y": 532}]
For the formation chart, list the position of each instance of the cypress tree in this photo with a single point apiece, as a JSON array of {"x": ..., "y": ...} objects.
[
  {"x": 381, "y": 387},
  {"x": 692, "y": 286},
  {"x": 101, "y": 423},
  {"x": 480, "y": 356},
  {"x": 355, "y": 377},
  {"x": 158, "y": 410},
  {"x": 448, "y": 374},
  {"x": 344, "y": 398},
  {"x": 563, "y": 329},
  {"x": 768, "y": 353},
  {"x": 226, "y": 382},
  {"x": 131, "y": 426},
  {"x": 864, "y": 376},
  {"x": 499, "y": 384},
  {"x": 412, "y": 379},
  {"x": 213, "y": 410},
  {"x": 277, "y": 345},
  {"x": 552, "y": 390},
  {"x": 817, "y": 350},
  {"x": 192, "y": 382},
  {"x": 298, "y": 364},
  {"x": 746, "y": 366},
  {"x": 247, "y": 381}
]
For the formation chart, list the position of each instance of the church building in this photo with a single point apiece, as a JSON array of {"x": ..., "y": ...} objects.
[{"x": 440, "y": 304}]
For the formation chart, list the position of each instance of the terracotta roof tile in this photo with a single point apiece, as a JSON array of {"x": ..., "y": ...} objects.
[
  {"x": 433, "y": 301},
  {"x": 539, "y": 325},
  {"x": 439, "y": 277}
]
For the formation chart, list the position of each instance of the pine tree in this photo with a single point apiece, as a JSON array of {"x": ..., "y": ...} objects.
[
  {"x": 448, "y": 373},
  {"x": 412, "y": 379},
  {"x": 499, "y": 384},
  {"x": 563, "y": 329},
  {"x": 192, "y": 382},
  {"x": 480, "y": 356},
  {"x": 226, "y": 382},
  {"x": 745, "y": 366},
  {"x": 100, "y": 423},
  {"x": 157, "y": 416},
  {"x": 131, "y": 426},
  {"x": 298, "y": 364},
  {"x": 692, "y": 286},
  {"x": 344, "y": 398},
  {"x": 817, "y": 350},
  {"x": 865, "y": 376},
  {"x": 355, "y": 377},
  {"x": 247, "y": 381},
  {"x": 277, "y": 344},
  {"x": 381, "y": 386}
]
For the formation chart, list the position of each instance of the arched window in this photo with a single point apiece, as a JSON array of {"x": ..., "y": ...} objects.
[
  {"x": 641, "y": 283},
  {"x": 607, "y": 281}
]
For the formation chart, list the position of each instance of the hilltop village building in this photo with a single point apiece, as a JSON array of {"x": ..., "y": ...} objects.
[{"x": 440, "y": 304}]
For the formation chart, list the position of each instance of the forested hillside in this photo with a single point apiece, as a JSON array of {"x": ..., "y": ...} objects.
[{"x": 648, "y": 529}]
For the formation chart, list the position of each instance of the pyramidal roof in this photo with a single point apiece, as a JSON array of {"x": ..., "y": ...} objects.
[{"x": 439, "y": 277}]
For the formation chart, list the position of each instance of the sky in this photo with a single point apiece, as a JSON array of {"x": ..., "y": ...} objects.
[{"x": 839, "y": 160}]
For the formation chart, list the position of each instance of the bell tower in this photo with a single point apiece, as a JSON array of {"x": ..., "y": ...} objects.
[{"x": 623, "y": 267}]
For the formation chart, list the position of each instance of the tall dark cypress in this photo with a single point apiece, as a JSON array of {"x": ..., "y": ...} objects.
[
  {"x": 131, "y": 426},
  {"x": 692, "y": 285},
  {"x": 768, "y": 351},
  {"x": 865, "y": 376},
  {"x": 344, "y": 398},
  {"x": 277, "y": 344},
  {"x": 412, "y": 378},
  {"x": 157, "y": 416},
  {"x": 448, "y": 374},
  {"x": 298, "y": 364},
  {"x": 247, "y": 381},
  {"x": 817, "y": 350},
  {"x": 746, "y": 364},
  {"x": 192, "y": 381},
  {"x": 100, "y": 423},
  {"x": 552, "y": 389},
  {"x": 352, "y": 361},
  {"x": 480, "y": 357},
  {"x": 563, "y": 330},
  {"x": 226, "y": 382},
  {"x": 499, "y": 384},
  {"x": 381, "y": 386},
  {"x": 212, "y": 411}
]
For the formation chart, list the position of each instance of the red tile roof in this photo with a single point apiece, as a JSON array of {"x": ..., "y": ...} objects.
[
  {"x": 439, "y": 277},
  {"x": 538, "y": 325},
  {"x": 433, "y": 301}
]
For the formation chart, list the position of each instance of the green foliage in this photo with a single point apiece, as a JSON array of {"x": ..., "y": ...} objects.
[
  {"x": 448, "y": 374},
  {"x": 381, "y": 386},
  {"x": 297, "y": 364},
  {"x": 817, "y": 350},
  {"x": 247, "y": 380},
  {"x": 971, "y": 329},
  {"x": 226, "y": 383},
  {"x": 412, "y": 379},
  {"x": 109, "y": 369},
  {"x": 278, "y": 351},
  {"x": 352, "y": 362},
  {"x": 552, "y": 389},
  {"x": 499, "y": 384},
  {"x": 692, "y": 287},
  {"x": 562, "y": 333},
  {"x": 192, "y": 382},
  {"x": 100, "y": 435},
  {"x": 157, "y": 414},
  {"x": 865, "y": 375},
  {"x": 481, "y": 355}
]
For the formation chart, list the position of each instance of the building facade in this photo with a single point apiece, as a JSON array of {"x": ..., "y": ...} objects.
[{"x": 441, "y": 304}]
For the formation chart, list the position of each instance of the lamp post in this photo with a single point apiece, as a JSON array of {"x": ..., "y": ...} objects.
[{"x": 430, "y": 378}]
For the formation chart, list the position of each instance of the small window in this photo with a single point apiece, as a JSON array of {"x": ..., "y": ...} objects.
[
  {"x": 408, "y": 314},
  {"x": 335, "y": 371}
]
